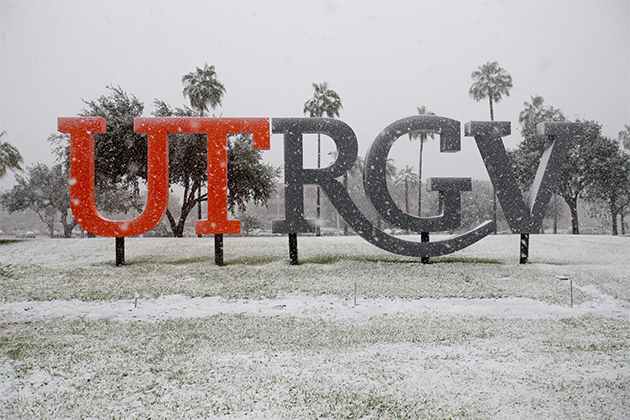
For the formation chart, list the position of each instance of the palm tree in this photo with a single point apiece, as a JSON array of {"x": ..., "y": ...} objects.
[
  {"x": 10, "y": 158},
  {"x": 492, "y": 82},
  {"x": 202, "y": 89},
  {"x": 423, "y": 137},
  {"x": 325, "y": 101},
  {"x": 406, "y": 179}
]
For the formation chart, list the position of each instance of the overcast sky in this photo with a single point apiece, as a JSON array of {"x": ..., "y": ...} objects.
[{"x": 384, "y": 58}]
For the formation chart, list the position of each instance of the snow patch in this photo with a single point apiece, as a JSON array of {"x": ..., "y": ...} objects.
[{"x": 327, "y": 307}]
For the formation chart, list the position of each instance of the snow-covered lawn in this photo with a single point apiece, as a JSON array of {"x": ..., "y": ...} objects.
[{"x": 170, "y": 335}]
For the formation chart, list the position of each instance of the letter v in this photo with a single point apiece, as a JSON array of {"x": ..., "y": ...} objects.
[{"x": 523, "y": 218}]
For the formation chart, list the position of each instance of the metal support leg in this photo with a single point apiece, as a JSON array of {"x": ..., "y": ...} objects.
[
  {"x": 120, "y": 252},
  {"x": 293, "y": 248},
  {"x": 424, "y": 237},
  {"x": 524, "y": 248},
  {"x": 218, "y": 250}
]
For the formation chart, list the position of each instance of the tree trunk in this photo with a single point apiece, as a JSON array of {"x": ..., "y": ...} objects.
[
  {"x": 494, "y": 208},
  {"x": 613, "y": 219},
  {"x": 189, "y": 201},
  {"x": 49, "y": 222},
  {"x": 171, "y": 221},
  {"x": 318, "y": 231},
  {"x": 494, "y": 190},
  {"x": 199, "y": 207},
  {"x": 420, "y": 178},
  {"x": 571, "y": 198},
  {"x": 575, "y": 223},
  {"x": 178, "y": 230},
  {"x": 68, "y": 227},
  {"x": 555, "y": 214},
  {"x": 345, "y": 186}
]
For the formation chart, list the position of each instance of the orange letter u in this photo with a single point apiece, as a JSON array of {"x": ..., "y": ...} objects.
[{"x": 82, "y": 198}]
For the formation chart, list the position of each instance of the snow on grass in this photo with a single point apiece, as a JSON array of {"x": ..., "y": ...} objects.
[
  {"x": 258, "y": 267},
  {"x": 399, "y": 367},
  {"x": 472, "y": 335},
  {"x": 302, "y": 306}
]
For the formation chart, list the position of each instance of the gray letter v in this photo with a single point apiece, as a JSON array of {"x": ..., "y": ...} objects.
[{"x": 522, "y": 217}]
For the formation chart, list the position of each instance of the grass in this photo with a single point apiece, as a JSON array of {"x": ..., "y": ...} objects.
[
  {"x": 236, "y": 366},
  {"x": 257, "y": 267},
  {"x": 409, "y": 367}
]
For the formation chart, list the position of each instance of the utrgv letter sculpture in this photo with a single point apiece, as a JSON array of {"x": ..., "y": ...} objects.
[{"x": 523, "y": 218}]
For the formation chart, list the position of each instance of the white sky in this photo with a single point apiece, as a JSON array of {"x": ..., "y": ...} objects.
[{"x": 383, "y": 58}]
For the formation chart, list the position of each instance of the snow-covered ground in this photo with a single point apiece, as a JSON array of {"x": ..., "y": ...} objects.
[
  {"x": 170, "y": 335},
  {"x": 179, "y": 306}
]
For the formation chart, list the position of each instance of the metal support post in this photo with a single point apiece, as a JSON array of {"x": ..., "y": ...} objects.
[
  {"x": 524, "y": 248},
  {"x": 120, "y": 252},
  {"x": 424, "y": 237},
  {"x": 218, "y": 249},
  {"x": 293, "y": 248}
]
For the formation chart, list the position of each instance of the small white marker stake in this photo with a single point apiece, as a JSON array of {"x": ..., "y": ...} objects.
[{"x": 563, "y": 278}]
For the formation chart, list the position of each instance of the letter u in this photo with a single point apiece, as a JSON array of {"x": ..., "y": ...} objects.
[{"x": 82, "y": 196}]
